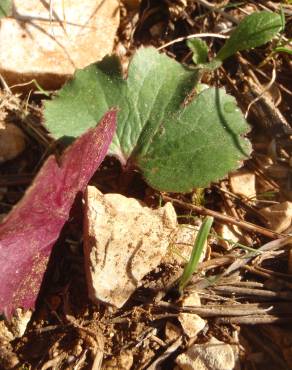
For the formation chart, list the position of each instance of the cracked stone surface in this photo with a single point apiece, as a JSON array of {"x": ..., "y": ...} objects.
[
  {"x": 213, "y": 355},
  {"x": 123, "y": 241},
  {"x": 49, "y": 45}
]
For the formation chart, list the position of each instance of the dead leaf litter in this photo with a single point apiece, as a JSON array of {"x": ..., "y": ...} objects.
[{"x": 131, "y": 248}]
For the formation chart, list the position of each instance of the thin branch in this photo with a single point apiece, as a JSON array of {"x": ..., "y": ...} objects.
[
  {"x": 219, "y": 216},
  {"x": 215, "y": 9},
  {"x": 233, "y": 290},
  {"x": 266, "y": 89},
  {"x": 273, "y": 245}
]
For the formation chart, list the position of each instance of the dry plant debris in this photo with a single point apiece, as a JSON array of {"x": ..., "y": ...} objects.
[{"x": 243, "y": 287}]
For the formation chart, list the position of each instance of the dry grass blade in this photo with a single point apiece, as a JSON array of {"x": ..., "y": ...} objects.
[
  {"x": 220, "y": 310},
  {"x": 273, "y": 245},
  {"x": 255, "y": 320},
  {"x": 172, "y": 348},
  {"x": 215, "y": 9},
  {"x": 259, "y": 293}
]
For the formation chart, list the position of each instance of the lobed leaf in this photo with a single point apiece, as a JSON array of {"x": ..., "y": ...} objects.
[
  {"x": 199, "y": 49},
  {"x": 30, "y": 230},
  {"x": 177, "y": 146}
]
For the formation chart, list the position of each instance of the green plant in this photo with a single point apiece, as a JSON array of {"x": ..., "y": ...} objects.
[
  {"x": 254, "y": 30},
  {"x": 198, "y": 248},
  {"x": 177, "y": 142}
]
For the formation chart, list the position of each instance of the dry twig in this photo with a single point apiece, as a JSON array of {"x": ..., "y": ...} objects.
[{"x": 219, "y": 216}]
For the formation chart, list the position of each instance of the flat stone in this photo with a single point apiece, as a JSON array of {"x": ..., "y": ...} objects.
[
  {"x": 228, "y": 235},
  {"x": 191, "y": 323},
  {"x": 213, "y": 355},
  {"x": 123, "y": 241},
  {"x": 242, "y": 182},
  {"x": 279, "y": 216},
  {"x": 35, "y": 44}
]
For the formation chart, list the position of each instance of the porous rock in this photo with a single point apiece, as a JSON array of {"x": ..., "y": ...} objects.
[
  {"x": 242, "y": 182},
  {"x": 279, "y": 216},
  {"x": 191, "y": 323},
  {"x": 213, "y": 355},
  {"x": 229, "y": 234},
  {"x": 50, "y": 44},
  {"x": 123, "y": 241}
]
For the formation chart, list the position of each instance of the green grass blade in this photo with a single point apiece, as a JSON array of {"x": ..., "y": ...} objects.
[
  {"x": 282, "y": 49},
  {"x": 191, "y": 266}
]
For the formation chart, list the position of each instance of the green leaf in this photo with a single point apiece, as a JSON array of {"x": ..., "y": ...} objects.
[
  {"x": 210, "y": 66},
  {"x": 176, "y": 146},
  {"x": 5, "y": 8},
  {"x": 199, "y": 49},
  {"x": 281, "y": 49},
  {"x": 200, "y": 241},
  {"x": 254, "y": 30}
]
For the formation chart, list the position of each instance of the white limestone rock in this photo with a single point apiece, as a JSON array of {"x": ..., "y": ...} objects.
[
  {"x": 191, "y": 323},
  {"x": 123, "y": 241},
  {"x": 279, "y": 216},
  {"x": 242, "y": 182},
  {"x": 213, "y": 355},
  {"x": 49, "y": 45}
]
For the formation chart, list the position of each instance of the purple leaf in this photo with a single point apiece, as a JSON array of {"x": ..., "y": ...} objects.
[{"x": 30, "y": 230}]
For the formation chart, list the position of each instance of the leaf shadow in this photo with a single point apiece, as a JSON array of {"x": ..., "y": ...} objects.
[{"x": 234, "y": 137}]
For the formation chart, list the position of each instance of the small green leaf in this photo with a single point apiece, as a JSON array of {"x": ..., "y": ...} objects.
[
  {"x": 200, "y": 241},
  {"x": 254, "y": 30},
  {"x": 5, "y": 8},
  {"x": 199, "y": 49},
  {"x": 177, "y": 147},
  {"x": 210, "y": 66}
]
